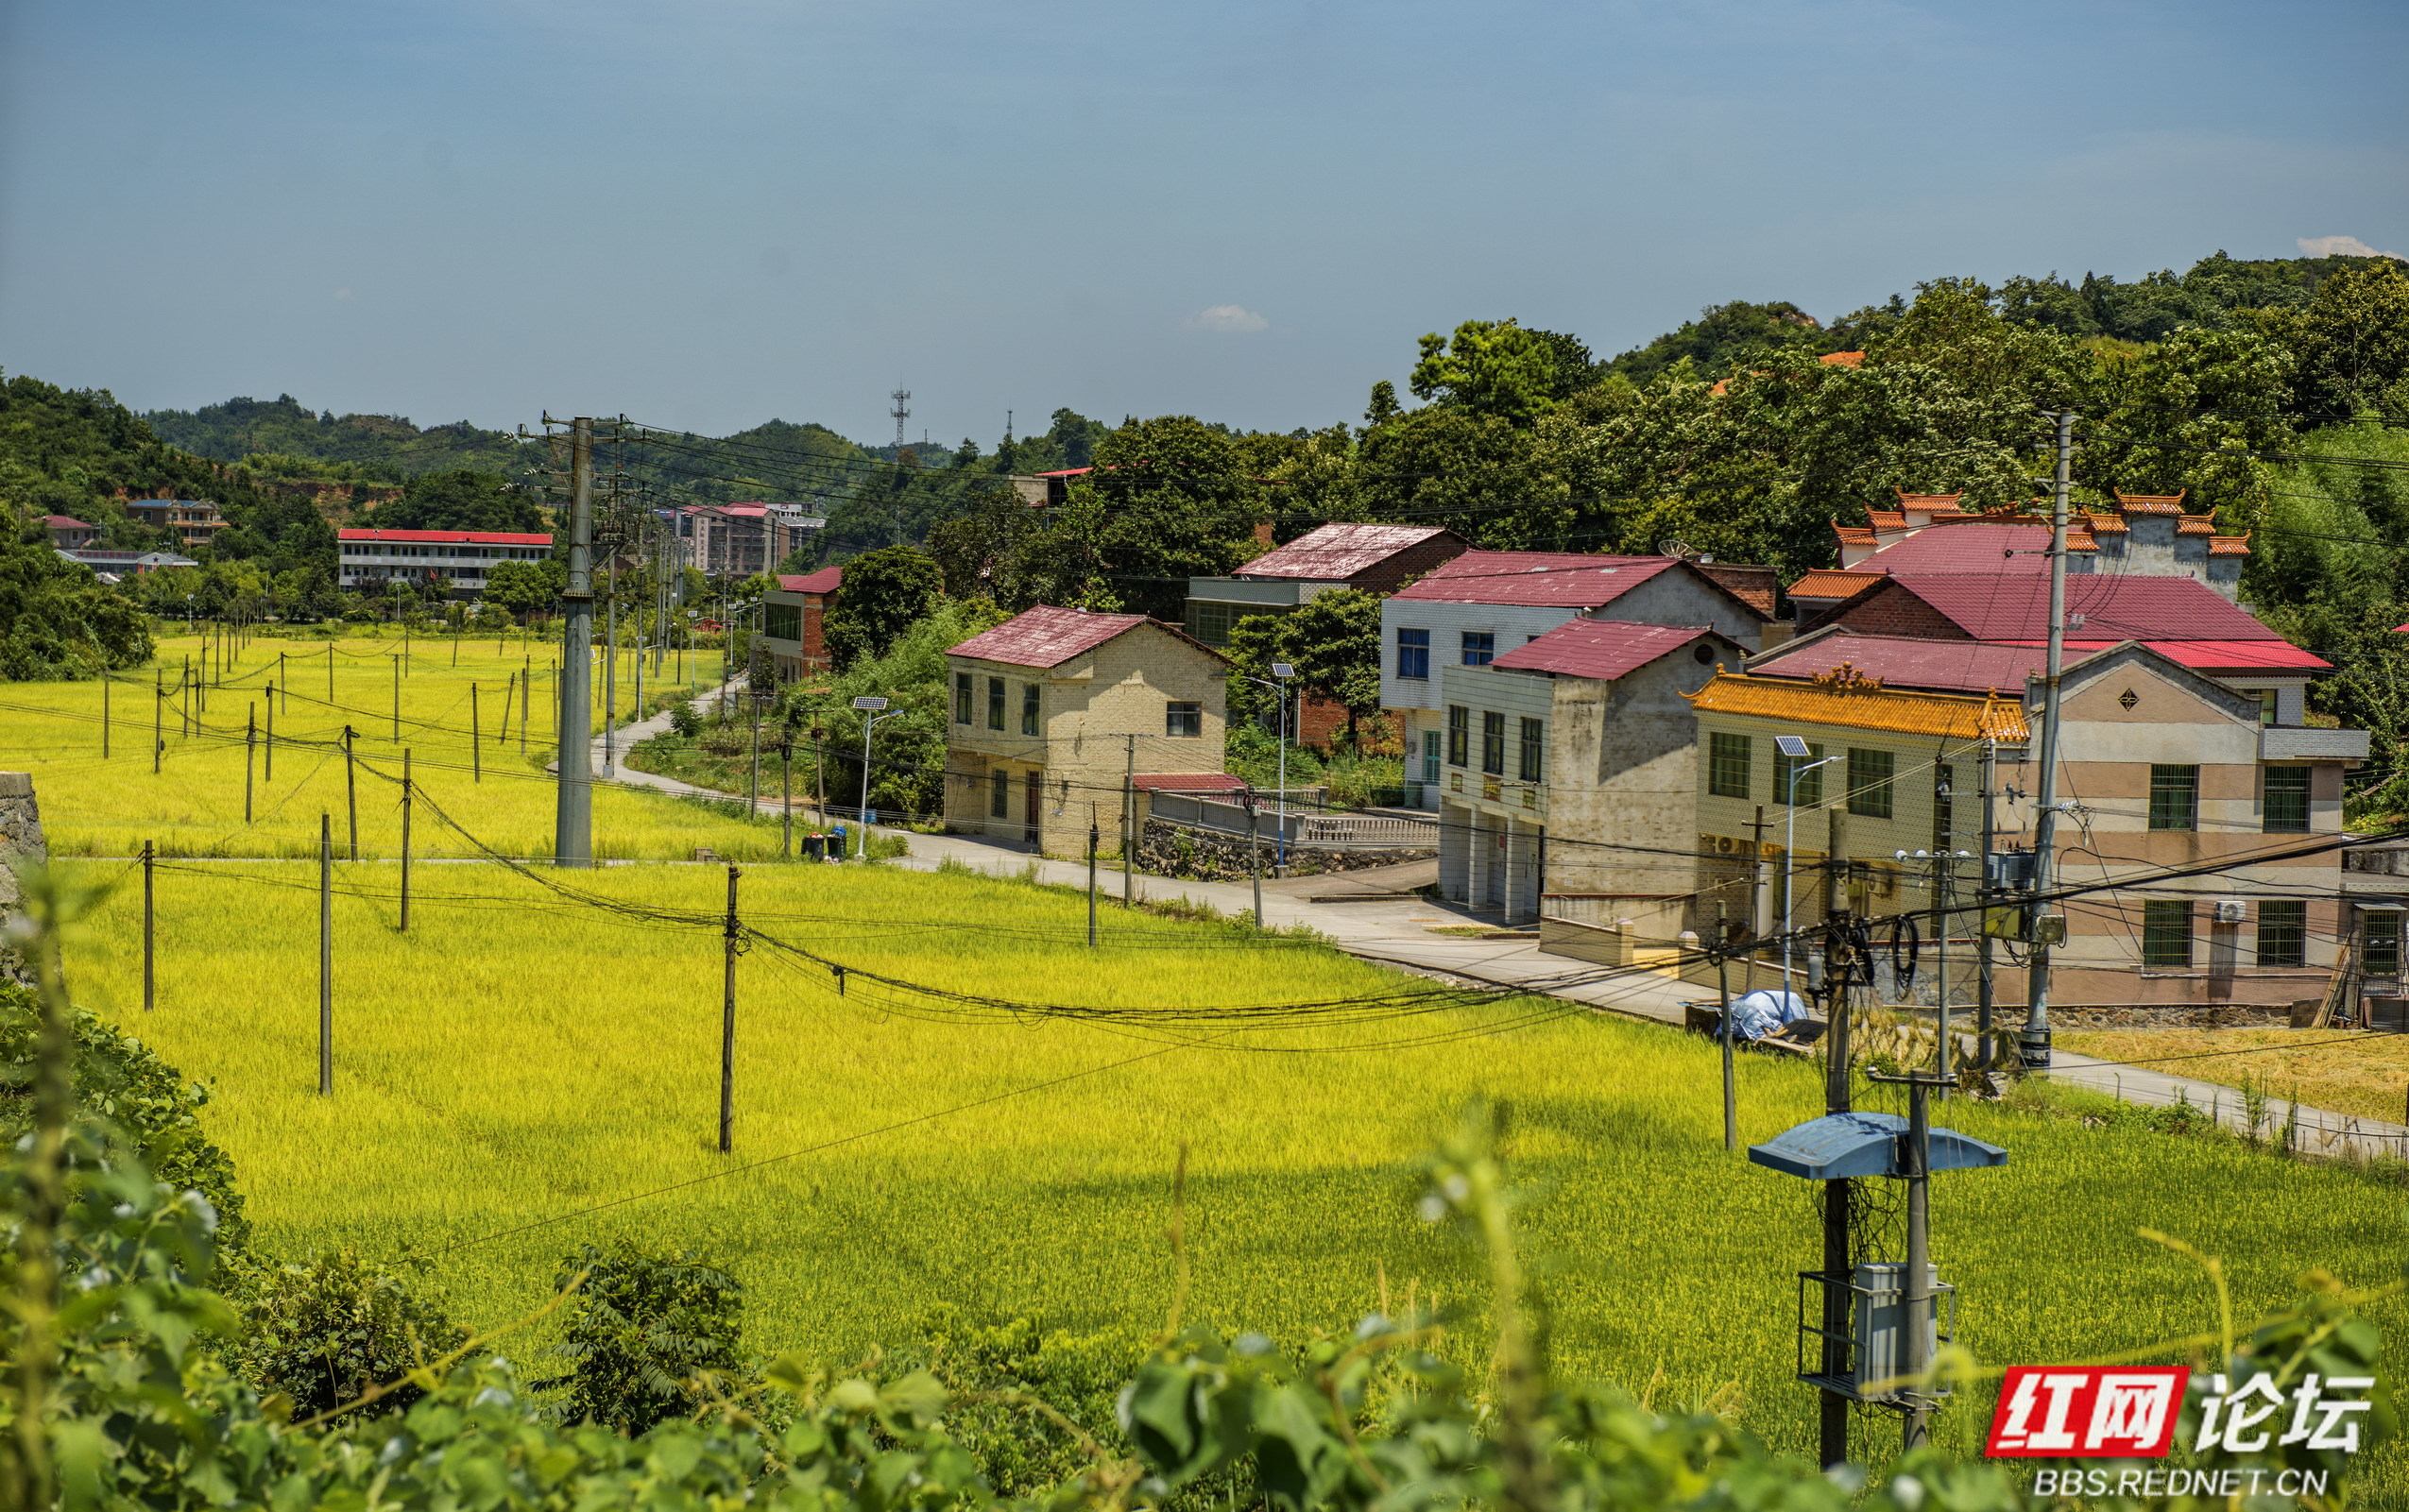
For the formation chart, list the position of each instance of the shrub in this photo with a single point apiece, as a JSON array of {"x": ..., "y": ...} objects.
[
  {"x": 324, "y": 1331},
  {"x": 684, "y": 720},
  {"x": 647, "y": 1333}
]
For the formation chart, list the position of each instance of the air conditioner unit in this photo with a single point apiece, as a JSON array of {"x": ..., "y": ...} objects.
[{"x": 2228, "y": 910}]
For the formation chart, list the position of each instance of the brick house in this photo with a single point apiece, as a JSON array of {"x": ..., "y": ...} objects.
[
  {"x": 793, "y": 620},
  {"x": 1057, "y": 713},
  {"x": 68, "y": 533}
]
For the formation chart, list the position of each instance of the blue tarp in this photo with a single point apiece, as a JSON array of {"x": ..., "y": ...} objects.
[
  {"x": 1852, "y": 1144},
  {"x": 1759, "y": 1013}
]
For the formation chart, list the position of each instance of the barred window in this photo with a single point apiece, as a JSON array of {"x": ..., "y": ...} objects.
[
  {"x": 1493, "y": 743},
  {"x": 2380, "y": 956},
  {"x": 1727, "y": 765},
  {"x": 2166, "y": 932},
  {"x": 1869, "y": 782},
  {"x": 2175, "y": 797},
  {"x": 2284, "y": 932},
  {"x": 1534, "y": 739},
  {"x": 2286, "y": 810}
]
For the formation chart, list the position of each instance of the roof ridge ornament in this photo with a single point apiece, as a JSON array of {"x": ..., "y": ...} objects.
[{"x": 1847, "y": 679}]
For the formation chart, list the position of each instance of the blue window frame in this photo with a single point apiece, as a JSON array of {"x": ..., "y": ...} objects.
[
  {"x": 1479, "y": 647},
  {"x": 1413, "y": 654}
]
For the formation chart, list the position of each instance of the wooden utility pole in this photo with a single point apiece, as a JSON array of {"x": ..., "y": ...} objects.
[
  {"x": 104, "y": 681},
  {"x": 476, "y": 738},
  {"x": 728, "y": 1025},
  {"x": 158, "y": 719},
  {"x": 250, "y": 755},
  {"x": 405, "y": 840},
  {"x": 351, "y": 791},
  {"x": 325, "y": 955},
  {"x": 150, "y": 939},
  {"x": 268, "y": 746}
]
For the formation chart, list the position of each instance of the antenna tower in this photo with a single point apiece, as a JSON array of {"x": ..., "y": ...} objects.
[{"x": 901, "y": 412}]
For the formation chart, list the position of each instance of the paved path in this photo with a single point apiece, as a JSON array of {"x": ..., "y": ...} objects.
[{"x": 1375, "y": 914}]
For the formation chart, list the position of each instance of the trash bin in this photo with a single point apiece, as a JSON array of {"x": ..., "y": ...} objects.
[{"x": 816, "y": 846}]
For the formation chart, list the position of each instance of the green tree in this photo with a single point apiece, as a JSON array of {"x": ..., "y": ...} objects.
[
  {"x": 459, "y": 499},
  {"x": 1500, "y": 368},
  {"x": 57, "y": 622},
  {"x": 884, "y": 593},
  {"x": 324, "y": 1331},
  {"x": 2350, "y": 344},
  {"x": 527, "y": 588},
  {"x": 1333, "y": 643},
  {"x": 648, "y": 1335}
]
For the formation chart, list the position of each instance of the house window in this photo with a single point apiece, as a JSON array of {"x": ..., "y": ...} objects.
[
  {"x": 1810, "y": 794},
  {"x": 2284, "y": 932},
  {"x": 1185, "y": 721},
  {"x": 1413, "y": 654},
  {"x": 1000, "y": 798},
  {"x": 1493, "y": 743},
  {"x": 1209, "y": 622},
  {"x": 1479, "y": 647},
  {"x": 1869, "y": 774},
  {"x": 2175, "y": 797},
  {"x": 1429, "y": 756},
  {"x": 2166, "y": 932},
  {"x": 962, "y": 698},
  {"x": 1458, "y": 734},
  {"x": 2381, "y": 954},
  {"x": 1029, "y": 708},
  {"x": 995, "y": 703},
  {"x": 2266, "y": 705},
  {"x": 2286, "y": 810},
  {"x": 1534, "y": 734},
  {"x": 782, "y": 622},
  {"x": 1727, "y": 765}
]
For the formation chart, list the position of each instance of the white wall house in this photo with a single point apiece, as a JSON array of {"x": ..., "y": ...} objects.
[{"x": 462, "y": 557}]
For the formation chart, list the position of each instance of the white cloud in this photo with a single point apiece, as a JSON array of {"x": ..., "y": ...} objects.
[
  {"x": 1229, "y": 320},
  {"x": 2339, "y": 246}
]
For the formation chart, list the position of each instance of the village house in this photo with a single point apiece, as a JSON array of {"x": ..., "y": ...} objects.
[
  {"x": 1058, "y": 715},
  {"x": 793, "y": 620},
  {"x": 2161, "y": 768},
  {"x": 68, "y": 533},
  {"x": 1482, "y": 605},
  {"x": 1567, "y": 770},
  {"x": 193, "y": 521}
]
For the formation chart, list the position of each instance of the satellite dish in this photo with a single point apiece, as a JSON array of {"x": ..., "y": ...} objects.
[{"x": 1675, "y": 547}]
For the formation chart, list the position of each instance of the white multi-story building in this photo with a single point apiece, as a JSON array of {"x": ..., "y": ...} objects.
[{"x": 459, "y": 557}]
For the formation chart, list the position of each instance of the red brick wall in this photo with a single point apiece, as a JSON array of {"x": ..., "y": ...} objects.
[
  {"x": 815, "y": 608},
  {"x": 1892, "y": 610}
]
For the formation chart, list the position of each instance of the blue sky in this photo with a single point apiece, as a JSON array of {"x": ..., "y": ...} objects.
[{"x": 710, "y": 213}]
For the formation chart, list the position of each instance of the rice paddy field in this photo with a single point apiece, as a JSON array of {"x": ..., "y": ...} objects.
[
  {"x": 524, "y": 1071},
  {"x": 2362, "y": 1074},
  {"x": 454, "y": 695}
]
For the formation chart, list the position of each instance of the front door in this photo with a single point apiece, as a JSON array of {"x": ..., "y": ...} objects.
[{"x": 1035, "y": 801}]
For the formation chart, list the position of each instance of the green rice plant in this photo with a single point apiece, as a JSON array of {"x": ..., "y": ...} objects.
[{"x": 520, "y": 1074}]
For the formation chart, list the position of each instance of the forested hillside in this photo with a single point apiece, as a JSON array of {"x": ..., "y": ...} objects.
[{"x": 380, "y": 447}]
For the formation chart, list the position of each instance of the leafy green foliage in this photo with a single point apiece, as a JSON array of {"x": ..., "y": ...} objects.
[
  {"x": 57, "y": 622},
  {"x": 1722, "y": 337},
  {"x": 650, "y": 1336},
  {"x": 886, "y": 593},
  {"x": 322, "y": 1332},
  {"x": 909, "y": 765},
  {"x": 383, "y": 447},
  {"x": 1500, "y": 368},
  {"x": 1333, "y": 643},
  {"x": 2350, "y": 344},
  {"x": 459, "y": 499},
  {"x": 527, "y": 588}
]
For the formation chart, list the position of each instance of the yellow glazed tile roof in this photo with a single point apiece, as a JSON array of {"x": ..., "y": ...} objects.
[{"x": 1846, "y": 697}]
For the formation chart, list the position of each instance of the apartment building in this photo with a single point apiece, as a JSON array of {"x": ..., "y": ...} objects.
[
  {"x": 460, "y": 558},
  {"x": 1056, "y": 713},
  {"x": 739, "y": 540},
  {"x": 195, "y": 522}
]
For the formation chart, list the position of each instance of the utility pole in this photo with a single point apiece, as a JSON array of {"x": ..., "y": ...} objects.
[
  {"x": 1983, "y": 896},
  {"x": 572, "y": 838},
  {"x": 1092, "y": 838},
  {"x": 150, "y": 939},
  {"x": 476, "y": 736},
  {"x": 1833, "y": 1424},
  {"x": 786, "y": 793},
  {"x": 325, "y": 955},
  {"x": 1254, "y": 853},
  {"x": 397, "y": 701},
  {"x": 728, "y": 1025},
  {"x": 406, "y": 795},
  {"x": 1724, "y": 1030},
  {"x": 610, "y": 669},
  {"x": 1129, "y": 827},
  {"x": 526, "y": 699},
  {"x": 268, "y": 746},
  {"x": 351, "y": 791},
  {"x": 158, "y": 720},
  {"x": 2035, "y": 1045},
  {"x": 250, "y": 755},
  {"x": 104, "y": 681}
]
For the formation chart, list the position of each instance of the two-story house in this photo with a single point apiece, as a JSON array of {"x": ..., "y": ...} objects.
[
  {"x": 193, "y": 521},
  {"x": 2165, "y": 770},
  {"x": 795, "y": 620},
  {"x": 1058, "y": 714},
  {"x": 2145, "y": 535},
  {"x": 1567, "y": 771},
  {"x": 1479, "y": 606}
]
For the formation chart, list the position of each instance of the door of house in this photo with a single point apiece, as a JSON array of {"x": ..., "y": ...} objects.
[
  {"x": 1496, "y": 888},
  {"x": 1430, "y": 756},
  {"x": 1035, "y": 800}
]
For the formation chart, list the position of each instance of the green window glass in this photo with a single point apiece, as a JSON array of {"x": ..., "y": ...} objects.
[
  {"x": 782, "y": 622},
  {"x": 1810, "y": 784},
  {"x": 1534, "y": 739},
  {"x": 995, "y": 703},
  {"x": 1493, "y": 743},
  {"x": 2286, "y": 810},
  {"x": 2166, "y": 932},
  {"x": 1029, "y": 708},
  {"x": 1869, "y": 778},
  {"x": 2175, "y": 797},
  {"x": 2284, "y": 932},
  {"x": 963, "y": 695},
  {"x": 1458, "y": 734},
  {"x": 1727, "y": 765}
]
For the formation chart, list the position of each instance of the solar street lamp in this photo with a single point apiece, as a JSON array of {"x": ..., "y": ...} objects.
[{"x": 870, "y": 717}]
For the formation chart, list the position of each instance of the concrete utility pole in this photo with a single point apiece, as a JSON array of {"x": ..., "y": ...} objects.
[
  {"x": 1983, "y": 896},
  {"x": 325, "y": 955},
  {"x": 1129, "y": 828},
  {"x": 2035, "y": 1045},
  {"x": 727, "y": 1025},
  {"x": 572, "y": 834}
]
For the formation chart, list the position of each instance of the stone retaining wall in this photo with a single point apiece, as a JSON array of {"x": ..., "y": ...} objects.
[{"x": 20, "y": 840}]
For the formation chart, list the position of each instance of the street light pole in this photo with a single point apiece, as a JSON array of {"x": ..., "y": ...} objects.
[
  {"x": 870, "y": 717},
  {"x": 1792, "y": 747}
]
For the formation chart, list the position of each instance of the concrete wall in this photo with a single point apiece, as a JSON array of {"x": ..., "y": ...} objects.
[
  {"x": 1090, "y": 708},
  {"x": 1624, "y": 779}
]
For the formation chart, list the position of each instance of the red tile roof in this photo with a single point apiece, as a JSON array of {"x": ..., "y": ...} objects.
[
  {"x": 1902, "y": 661},
  {"x": 1853, "y": 534},
  {"x": 1187, "y": 782},
  {"x": 1835, "y": 583},
  {"x": 2015, "y": 607},
  {"x": 1886, "y": 519},
  {"x": 63, "y": 522},
  {"x": 2104, "y": 524},
  {"x": 1968, "y": 548},
  {"x": 2229, "y": 545},
  {"x": 1603, "y": 648},
  {"x": 1047, "y": 637},
  {"x": 1949, "y": 501},
  {"x": 822, "y": 581},
  {"x": 1546, "y": 579},
  {"x": 1336, "y": 552},
  {"x": 2152, "y": 503},
  {"x": 478, "y": 538},
  {"x": 2215, "y": 655}
]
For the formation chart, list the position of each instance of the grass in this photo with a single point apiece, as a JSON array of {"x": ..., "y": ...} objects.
[
  {"x": 2366, "y": 1075},
  {"x": 516, "y": 1060},
  {"x": 96, "y": 805}
]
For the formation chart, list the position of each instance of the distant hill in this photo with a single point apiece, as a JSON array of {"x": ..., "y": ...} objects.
[{"x": 366, "y": 448}]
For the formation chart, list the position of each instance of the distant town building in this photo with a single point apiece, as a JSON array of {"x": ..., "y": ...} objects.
[
  {"x": 67, "y": 533},
  {"x": 1056, "y": 713},
  {"x": 423, "y": 557},
  {"x": 193, "y": 521},
  {"x": 739, "y": 540},
  {"x": 114, "y": 566}
]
